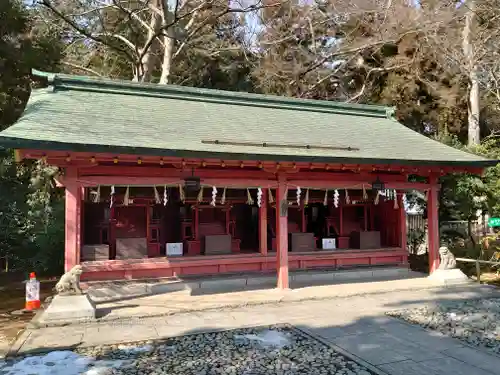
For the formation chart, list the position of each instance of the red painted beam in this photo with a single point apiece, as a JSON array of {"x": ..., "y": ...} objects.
[{"x": 61, "y": 158}]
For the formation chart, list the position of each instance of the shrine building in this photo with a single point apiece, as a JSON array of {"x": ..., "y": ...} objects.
[{"x": 168, "y": 181}]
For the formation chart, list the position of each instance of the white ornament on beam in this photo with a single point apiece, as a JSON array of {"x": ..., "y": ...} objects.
[
  {"x": 325, "y": 200},
  {"x": 396, "y": 205},
  {"x": 365, "y": 194},
  {"x": 336, "y": 197},
  {"x": 157, "y": 195},
  {"x": 223, "y": 199},
  {"x": 298, "y": 195},
  {"x": 259, "y": 197},
  {"x": 112, "y": 196},
  {"x": 270, "y": 196},
  {"x": 165, "y": 195},
  {"x": 249, "y": 198},
  {"x": 97, "y": 196},
  {"x": 214, "y": 196},
  {"x": 125, "y": 197},
  {"x": 200, "y": 195},
  {"x": 182, "y": 196}
]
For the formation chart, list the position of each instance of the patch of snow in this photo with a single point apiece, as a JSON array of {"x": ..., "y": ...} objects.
[
  {"x": 58, "y": 362},
  {"x": 267, "y": 338}
]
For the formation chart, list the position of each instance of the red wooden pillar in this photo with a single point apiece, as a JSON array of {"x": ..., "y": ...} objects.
[
  {"x": 402, "y": 224},
  {"x": 282, "y": 234},
  {"x": 263, "y": 223},
  {"x": 403, "y": 227},
  {"x": 433, "y": 223},
  {"x": 73, "y": 205}
]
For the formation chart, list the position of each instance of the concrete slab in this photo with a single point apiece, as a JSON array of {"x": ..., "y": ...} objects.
[
  {"x": 476, "y": 358},
  {"x": 313, "y": 277},
  {"x": 431, "y": 340},
  {"x": 353, "y": 274},
  {"x": 448, "y": 365},
  {"x": 369, "y": 348},
  {"x": 407, "y": 367},
  {"x": 391, "y": 272},
  {"x": 118, "y": 332},
  {"x": 223, "y": 283}
]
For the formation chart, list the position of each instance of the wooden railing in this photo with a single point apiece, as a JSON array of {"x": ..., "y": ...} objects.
[{"x": 478, "y": 263}]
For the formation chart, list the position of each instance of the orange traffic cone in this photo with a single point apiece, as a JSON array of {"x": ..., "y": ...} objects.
[{"x": 32, "y": 293}]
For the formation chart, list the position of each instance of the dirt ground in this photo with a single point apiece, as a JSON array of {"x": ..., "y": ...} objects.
[
  {"x": 12, "y": 298},
  {"x": 491, "y": 278}
]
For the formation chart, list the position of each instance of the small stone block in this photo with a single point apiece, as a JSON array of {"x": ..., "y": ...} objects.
[
  {"x": 74, "y": 308},
  {"x": 449, "y": 277}
]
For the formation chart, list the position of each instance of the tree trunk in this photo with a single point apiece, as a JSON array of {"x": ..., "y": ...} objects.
[
  {"x": 471, "y": 66},
  {"x": 166, "y": 65}
]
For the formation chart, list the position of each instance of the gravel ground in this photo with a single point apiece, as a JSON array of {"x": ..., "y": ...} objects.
[
  {"x": 263, "y": 351},
  {"x": 477, "y": 322}
]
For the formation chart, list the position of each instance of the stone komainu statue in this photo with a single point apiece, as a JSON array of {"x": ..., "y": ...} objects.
[
  {"x": 448, "y": 261},
  {"x": 69, "y": 283}
]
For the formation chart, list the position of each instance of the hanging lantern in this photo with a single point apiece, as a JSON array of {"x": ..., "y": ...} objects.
[
  {"x": 112, "y": 196},
  {"x": 325, "y": 200},
  {"x": 249, "y": 198},
  {"x": 165, "y": 196},
  {"x": 396, "y": 205},
  {"x": 365, "y": 194},
  {"x": 223, "y": 199},
  {"x": 306, "y": 199},
  {"x": 125, "y": 197},
  {"x": 298, "y": 195},
  {"x": 347, "y": 199},
  {"x": 259, "y": 197},
  {"x": 377, "y": 198},
  {"x": 336, "y": 197},
  {"x": 270, "y": 197}
]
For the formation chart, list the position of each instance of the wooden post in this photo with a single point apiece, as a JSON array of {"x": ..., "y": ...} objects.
[
  {"x": 263, "y": 223},
  {"x": 341, "y": 221},
  {"x": 282, "y": 234},
  {"x": 433, "y": 223},
  {"x": 478, "y": 272},
  {"x": 365, "y": 216},
  {"x": 72, "y": 220},
  {"x": 196, "y": 220},
  {"x": 303, "y": 220},
  {"x": 228, "y": 219}
]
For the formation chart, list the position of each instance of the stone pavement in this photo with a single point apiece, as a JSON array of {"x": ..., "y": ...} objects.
[
  {"x": 186, "y": 300},
  {"x": 355, "y": 323}
]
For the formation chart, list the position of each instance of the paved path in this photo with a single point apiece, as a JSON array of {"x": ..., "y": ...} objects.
[{"x": 356, "y": 324}]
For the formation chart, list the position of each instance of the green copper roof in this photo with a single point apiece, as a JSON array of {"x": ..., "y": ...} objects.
[{"x": 100, "y": 115}]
